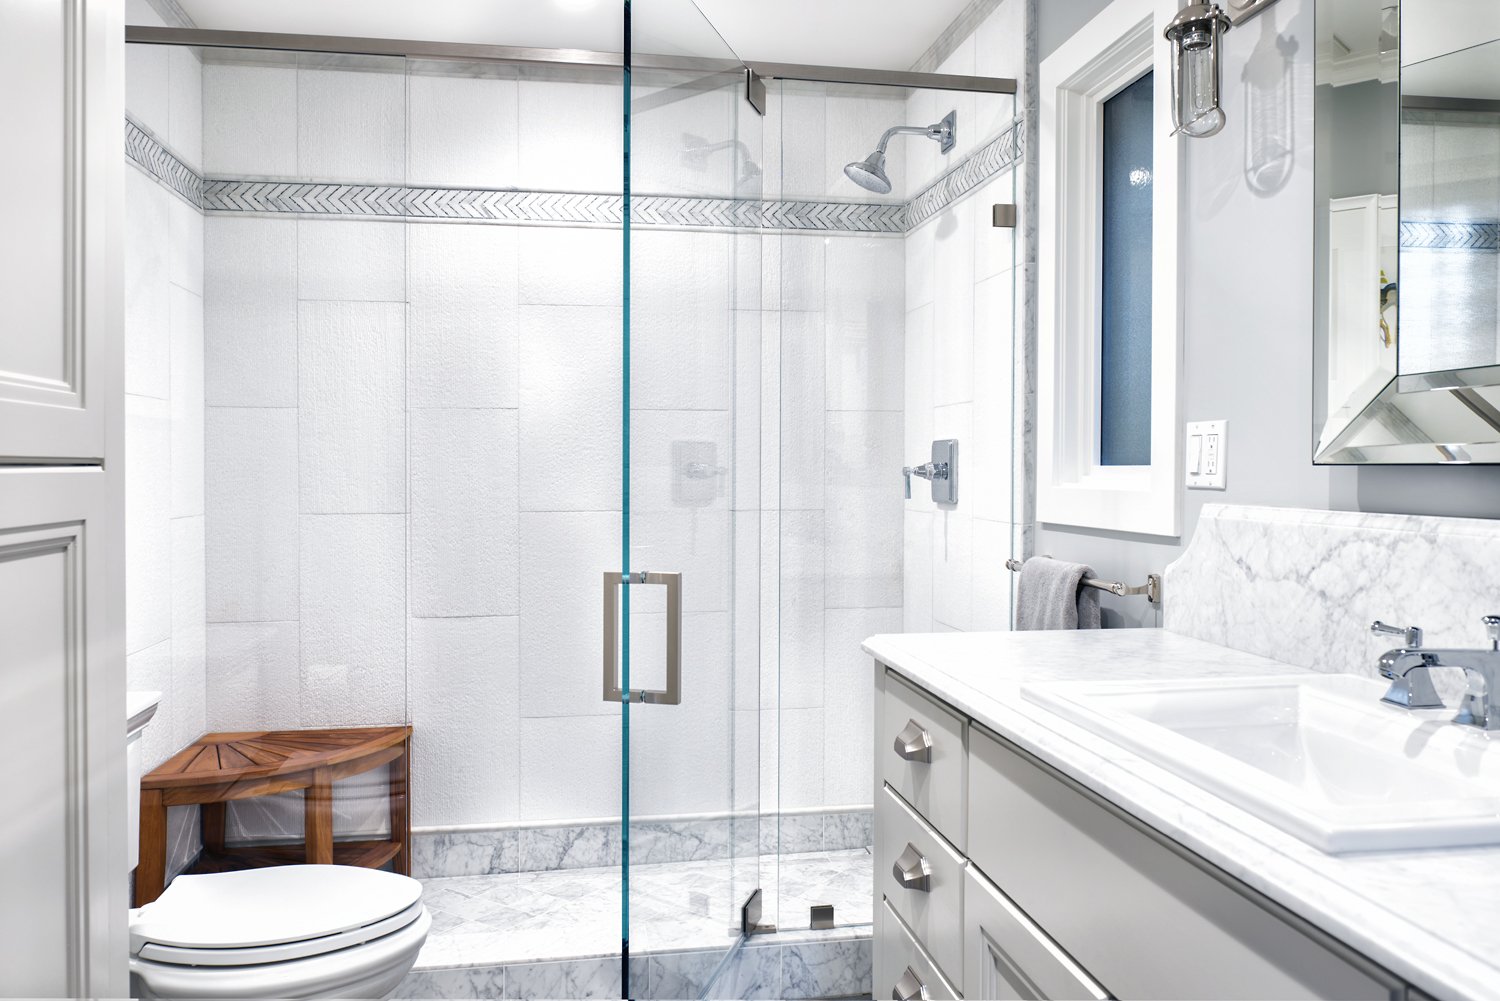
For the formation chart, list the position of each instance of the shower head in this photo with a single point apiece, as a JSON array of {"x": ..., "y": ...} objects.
[{"x": 869, "y": 173}]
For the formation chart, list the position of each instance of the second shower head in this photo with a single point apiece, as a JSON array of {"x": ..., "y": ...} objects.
[{"x": 869, "y": 173}]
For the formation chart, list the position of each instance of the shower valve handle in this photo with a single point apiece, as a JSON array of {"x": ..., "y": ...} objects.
[{"x": 927, "y": 471}]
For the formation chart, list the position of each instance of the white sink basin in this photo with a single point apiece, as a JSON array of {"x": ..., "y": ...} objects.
[{"x": 1318, "y": 756}]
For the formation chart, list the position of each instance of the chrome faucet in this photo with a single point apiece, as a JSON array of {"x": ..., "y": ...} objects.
[{"x": 1480, "y": 708}]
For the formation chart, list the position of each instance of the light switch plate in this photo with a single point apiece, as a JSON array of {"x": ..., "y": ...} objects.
[{"x": 1203, "y": 457}]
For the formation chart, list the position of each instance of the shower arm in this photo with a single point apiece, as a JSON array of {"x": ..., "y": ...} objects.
[{"x": 930, "y": 131}]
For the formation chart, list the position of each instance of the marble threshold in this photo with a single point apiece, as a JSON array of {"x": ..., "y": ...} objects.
[{"x": 556, "y": 933}]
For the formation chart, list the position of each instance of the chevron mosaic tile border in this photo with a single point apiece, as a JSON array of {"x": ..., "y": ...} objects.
[
  {"x": 1450, "y": 236},
  {"x": 984, "y": 163},
  {"x": 143, "y": 149},
  {"x": 394, "y": 201}
]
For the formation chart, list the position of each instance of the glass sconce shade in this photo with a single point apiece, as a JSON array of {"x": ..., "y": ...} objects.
[{"x": 1195, "y": 34}]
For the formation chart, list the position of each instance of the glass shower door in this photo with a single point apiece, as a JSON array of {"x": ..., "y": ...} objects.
[{"x": 682, "y": 610}]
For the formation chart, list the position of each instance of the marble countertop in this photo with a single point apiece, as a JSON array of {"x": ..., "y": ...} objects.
[{"x": 1430, "y": 917}]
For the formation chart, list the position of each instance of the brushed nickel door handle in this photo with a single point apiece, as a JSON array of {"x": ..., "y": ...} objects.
[
  {"x": 613, "y": 691},
  {"x": 914, "y": 743},
  {"x": 909, "y": 987},
  {"x": 912, "y": 871}
]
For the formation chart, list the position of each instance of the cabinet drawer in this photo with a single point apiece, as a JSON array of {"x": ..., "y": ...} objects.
[
  {"x": 931, "y": 904},
  {"x": 901, "y": 956},
  {"x": 1007, "y": 957},
  {"x": 930, "y": 776},
  {"x": 1138, "y": 912}
]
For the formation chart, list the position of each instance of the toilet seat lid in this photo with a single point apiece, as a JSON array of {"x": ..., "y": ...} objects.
[{"x": 273, "y": 906}]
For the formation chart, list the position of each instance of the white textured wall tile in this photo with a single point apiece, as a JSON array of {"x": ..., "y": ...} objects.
[
  {"x": 464, "y": 677},
  {"x": 962, "y": 61},
  {"x": 865, "y": 321},
  {"x": 953, "y": 306},
  {"x": 148, "y": 540},
  {"x": 189, "y": 644},
  {"x": 147, "y": 298},
  {"x": 989, "y": 454},
  {"x": 952, "y": 531},
  {"x": 570, "y": 267},
  {"x": 1000, "y": 50},
  {"x": 148, "y": 87},
  {"x": 351, "y": 120},
  {"x": 187, "y": 403},
  {"x": 353, "y": 260},
  {"x": 994, "y": 246},
  {"x": 918, "y": 417},
  {"x": 185, "y": 253},
  {"x": 802, "y": 273},
  {"x": 251, "y": 505},
  {"x": 465, "y": 529},
  {"x": 681, "y": 754},
  {"x": 799, "y": 682},
  {"x": 674, "y": 136},
  {"x": 570, "y": 407},
  {"x": 563, "y": 559},
  {"x": 570, "y": 136},
  {"x": 924, "y": 160},
  {"x": 462, "y": 319},
  {"x": 250, "y": 312},
  {"x": 749, "y": 563},
  {"x": 992, "y": 581},
  {"x": 462, "y": 126},
  {"x": 791, "y": 758},
  {"x": 254, "y": 677},
  {"x": 803, "y": 404},
  {"x": 800, "y": 110},
  {"x": 150, "y": 670},
  {"x": 250, "y": 118},
  {"x": 680, "y": 320},
  {"x": 863, "y": 515},
  {"x": 678, "y": 522},
  {"x": 751, "y": 448},
  {"x": 771, "y": 460},
  {"x": 351, "y": 422},
  {"x": 186, "y": 100},
  {"x": 848, "y": 703},
  {"x": 353, "y": 614},
  {"x": 920, "y": 249},
  {"x": 570, "y": 766},
  {"x": 916, "y": 572}
]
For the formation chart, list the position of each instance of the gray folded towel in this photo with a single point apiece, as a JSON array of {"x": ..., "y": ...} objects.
[{"x": 1052, "y": 596}]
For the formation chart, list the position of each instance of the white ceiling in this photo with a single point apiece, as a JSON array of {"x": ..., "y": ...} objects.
[{"x": 873, "y": 34}]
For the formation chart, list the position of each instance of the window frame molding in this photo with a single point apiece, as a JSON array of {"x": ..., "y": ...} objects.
[{"x": 1113, "y": 50}]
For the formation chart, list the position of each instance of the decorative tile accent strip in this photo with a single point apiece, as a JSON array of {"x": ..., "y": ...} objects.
[
  {"x": 396, "y": 201},
  {"x": 143, "y": 149},
  {"x": 1450, "y": 236},
  {"x": 990, "y": 159}
]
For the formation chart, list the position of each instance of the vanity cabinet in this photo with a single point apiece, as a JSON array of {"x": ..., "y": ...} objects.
[{"x": 1032, "y": 886}]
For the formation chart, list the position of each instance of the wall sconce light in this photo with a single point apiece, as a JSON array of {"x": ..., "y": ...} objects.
[{"x": 1195, "y": 34}]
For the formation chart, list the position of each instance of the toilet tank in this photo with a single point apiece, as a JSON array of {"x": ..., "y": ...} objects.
[{"x": 139, "y": 708}]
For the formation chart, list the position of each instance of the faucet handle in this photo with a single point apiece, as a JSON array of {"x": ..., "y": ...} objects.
[
  {"x": 1412, "y": 635},
  {"x": 1492, "y": 626}
]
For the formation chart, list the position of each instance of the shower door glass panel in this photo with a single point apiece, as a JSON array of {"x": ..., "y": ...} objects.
[
  {"x": 891, "y": 321},
  {"x": 691, "y": 461}
]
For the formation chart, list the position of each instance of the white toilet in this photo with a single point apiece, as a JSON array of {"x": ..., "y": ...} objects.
[{"x": 301, "y": 931}]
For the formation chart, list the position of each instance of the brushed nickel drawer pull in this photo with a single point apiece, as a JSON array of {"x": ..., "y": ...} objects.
[
  {"x": 909, "y": 987},
  {"x": 914, "y": 743},
  {"x": 912, "y": 871}
]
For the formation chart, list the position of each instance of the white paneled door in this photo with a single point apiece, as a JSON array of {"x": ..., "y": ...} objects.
[{"x": 62, "y": 844}]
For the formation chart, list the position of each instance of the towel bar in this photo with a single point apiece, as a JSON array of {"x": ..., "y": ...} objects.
[{"x": 1151, "y": 589}]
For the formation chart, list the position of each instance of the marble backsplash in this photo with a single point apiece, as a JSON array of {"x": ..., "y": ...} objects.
[{"x": 1303, "y": 586}]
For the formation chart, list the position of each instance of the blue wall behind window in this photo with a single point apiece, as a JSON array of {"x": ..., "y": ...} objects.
[{"x": 1125, "y": 334}]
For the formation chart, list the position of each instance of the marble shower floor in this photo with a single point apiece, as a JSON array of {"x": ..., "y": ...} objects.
[{"x": 530, "y": 917}]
